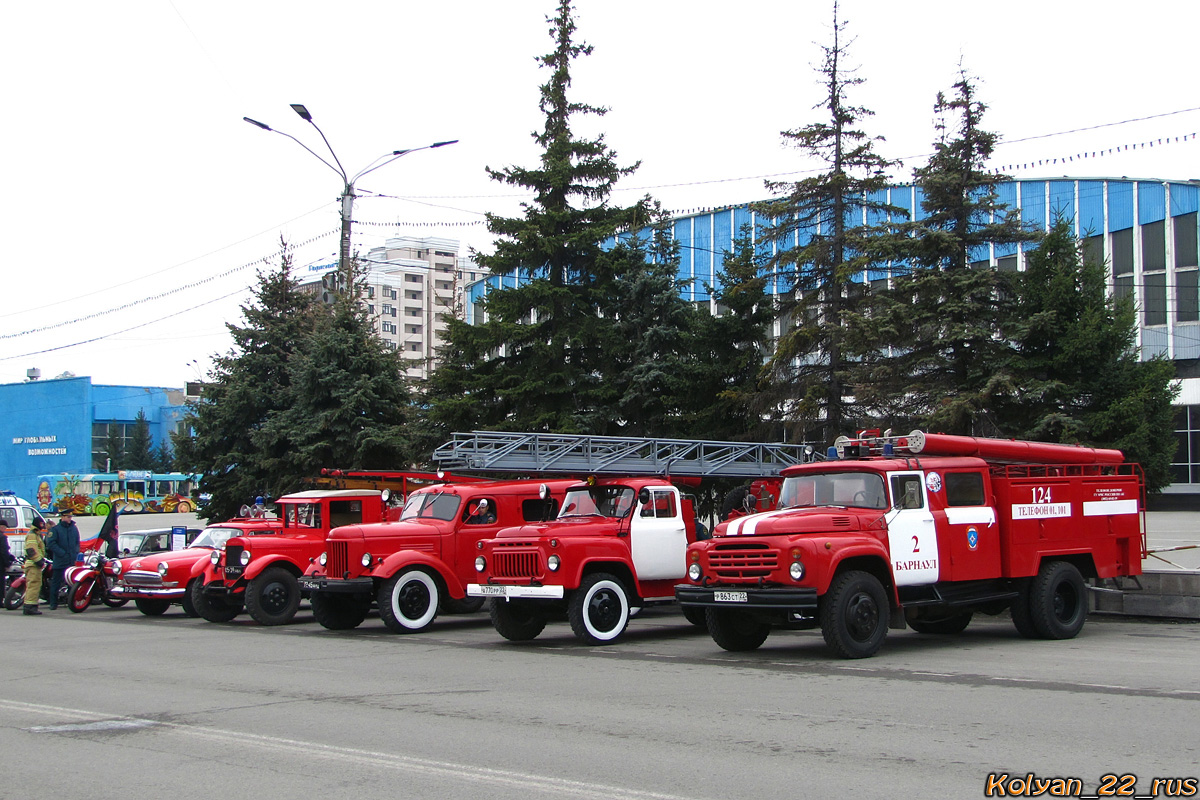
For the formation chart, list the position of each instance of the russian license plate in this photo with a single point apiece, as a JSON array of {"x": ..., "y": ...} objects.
[
  {"x": 233, "y": 572},
  {"x": 730, "y": 597},
  {"x": 485, "y": 589},
  {"x": 309, "y": 585}
]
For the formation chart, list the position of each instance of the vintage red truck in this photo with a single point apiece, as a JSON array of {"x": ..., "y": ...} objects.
[
  {"x": 420, "y": 564},
  {"x": 923, "y": 530},
  {"x": 260, "y": 574},
  {"x": 617, "y": 545}
]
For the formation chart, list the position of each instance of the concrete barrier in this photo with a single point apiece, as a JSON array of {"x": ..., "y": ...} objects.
[{"x": 1173, "y": 594}]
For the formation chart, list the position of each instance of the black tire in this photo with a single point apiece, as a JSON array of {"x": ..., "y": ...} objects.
[
  {"x": 854, "y": 615},
  {"x": 339, "y": 612},
  {"x": 734, "y": 500},
  {"x": 116, "y": 602},
  {"x": 1021, "y": 616},
  {"x": 14, "y": 598},
  {"x": 516, "y": 621},
  {"x": 468, "y": 605},
  {"x": 736, "y": 631},
  {"x": 696, "y": 616},
  {"x": 152, "y": 606},
  {"x": 273, "y": 597},
  {"x": 1058, "y": 601},
  {"x": 80, "y": 596},
  {"x": 945, "y": 624},
  {"x": 189, "y": 605},
  {"x": 599, "y": 609},
  {"x": 408, "y": 602},
  {"x": 212, "y": 609}
]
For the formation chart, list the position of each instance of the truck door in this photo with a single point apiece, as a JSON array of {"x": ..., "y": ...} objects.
[
  {"x": 971, "y": 538},
  {"x": 912, "y": 536},
  {"x": 658, "y": 538}
]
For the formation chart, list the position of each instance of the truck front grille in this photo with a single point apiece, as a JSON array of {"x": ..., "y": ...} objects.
[
  {"x": 233, "y": 555},
  {"x": 338, "y": 556},
  {"x": 526, "y": 564},
  {"x": 743, "y": 560}
]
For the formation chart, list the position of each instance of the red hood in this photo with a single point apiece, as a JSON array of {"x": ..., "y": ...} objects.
[
  {"x": 565, "y": 527},
  {"x": 816, "y": 519},
  {"x": 150, "y": 561}
]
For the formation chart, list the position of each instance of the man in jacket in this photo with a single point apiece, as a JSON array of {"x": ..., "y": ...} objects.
[
  {"x": 6, "y": 557},
  {"x": 63, "y": 545},
  {"x": 35, "y": 560}
]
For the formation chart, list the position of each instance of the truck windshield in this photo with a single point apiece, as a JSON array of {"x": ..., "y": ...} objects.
[
  {"x": 431, "y": 505},
  {"x": 597, "y": 501},
  {"x": 215, "y": 538},
  {"x": 857, "y": 489}
]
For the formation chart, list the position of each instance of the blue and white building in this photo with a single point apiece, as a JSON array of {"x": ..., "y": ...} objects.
[{"x": 1144, "y": 230}]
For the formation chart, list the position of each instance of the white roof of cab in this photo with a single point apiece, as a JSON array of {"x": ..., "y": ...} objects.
[{"x": 318, "y": 494}]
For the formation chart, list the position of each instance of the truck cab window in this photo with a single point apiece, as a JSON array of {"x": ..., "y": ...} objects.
[{"x": 964, "y": 489}]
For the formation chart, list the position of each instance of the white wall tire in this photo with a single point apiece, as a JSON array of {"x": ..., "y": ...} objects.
[
  {"x": 408, "y": 602},
  {"x": 599, "y": 609}
]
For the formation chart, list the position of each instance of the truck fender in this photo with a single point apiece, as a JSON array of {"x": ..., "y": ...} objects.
[
  {"x": 615, "y": 566},
  {"x": 403, "y": 559},
  {"x": 258, "y": 565},
  {"x": 204, "y": 570},
  {"x": 872, "y": 558}
]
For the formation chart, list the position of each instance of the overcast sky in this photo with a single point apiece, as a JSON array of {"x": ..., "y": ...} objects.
[{"x": 137, "y": 204}]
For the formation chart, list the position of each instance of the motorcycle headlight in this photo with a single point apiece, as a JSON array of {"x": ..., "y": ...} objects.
[
  {"x": 694, "y": 571},
  {"x": 116, "y": 567},
  {"x": 796, "y": 570},
  {"x": 366, "y": 560},
  {"x": 93, "y": 560},
  {"x": 322, "y": 559},
  {"x": 480, "y": 563},
  {"x": 245, "y": 557},
  {"x": 553, "y": 562},
  {"x": 162, "y": 569},
  {"x": 215, "y": 557}
]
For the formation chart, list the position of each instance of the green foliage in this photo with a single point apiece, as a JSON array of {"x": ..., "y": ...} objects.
[
  {"x": 114, "y": 447},
  {"x": 138, "y": 453},
  {"x": 1078, "y": 374},
  {"x": 163, "y": 460},
  {"x": 821, "y": 250}
]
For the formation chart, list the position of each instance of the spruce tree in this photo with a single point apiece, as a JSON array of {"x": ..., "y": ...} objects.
[
  {"x": 163, "y": 460},
  {"x": 1078, "y": 374},
  {"x": 534, "y": 365},
  {"x": 138, "y": 453},
  {"x": 230, "y": 443},
  {"x": 934, "y": 349},
  {"x": 821, "y": 229},
  {"x": 114, "y": 448}
]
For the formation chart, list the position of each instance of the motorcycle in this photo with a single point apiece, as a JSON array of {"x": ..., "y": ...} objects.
[
  {"x": 92, "y": 582},
  {"x": 14, "y": 597}
]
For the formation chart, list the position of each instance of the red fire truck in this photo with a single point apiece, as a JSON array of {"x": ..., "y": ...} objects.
[
  {"x": 923, "y": 530},
  {"x": 420, "y": 564},
  {"x": 618, "y": 544}
]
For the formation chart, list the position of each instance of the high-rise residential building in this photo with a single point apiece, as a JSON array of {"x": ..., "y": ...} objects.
[{"x": 409, "y": 285}]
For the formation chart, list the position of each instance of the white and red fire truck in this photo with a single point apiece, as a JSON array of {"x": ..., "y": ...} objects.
[{"x": 923, "y": 530}]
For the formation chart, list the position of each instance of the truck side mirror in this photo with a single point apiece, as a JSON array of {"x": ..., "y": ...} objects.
[{"x": 644, "y": 496}]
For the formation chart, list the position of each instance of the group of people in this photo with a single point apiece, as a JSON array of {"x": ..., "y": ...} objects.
[{"x": 60, "y": 543}]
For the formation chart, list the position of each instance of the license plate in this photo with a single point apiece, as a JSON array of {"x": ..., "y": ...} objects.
[
  {"x": 233, "y": 572},
  {"x": 308, "y": 584},
  {"x": 730, "y": 597},
  {"x": 498, "y": 591}
]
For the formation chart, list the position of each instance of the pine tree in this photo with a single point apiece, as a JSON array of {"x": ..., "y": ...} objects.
[
  {"x": 534, "y": 365},
  {"x": 1077, "y": 368},
  {"x": 230, "y": 443},
  {"x": 114, "y": 448},
  {"x": 935, "y": 348},
  {"x": 823, "y": 245},
  {"x": 163, "y": 460},
  {"x": 138, "y": 454}
]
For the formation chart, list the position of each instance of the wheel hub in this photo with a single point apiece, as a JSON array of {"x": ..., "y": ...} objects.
[
  {"x": 604, "y": 611},
  {"x": 862, "y": 616},
  {"x": 413, "y": 599}
]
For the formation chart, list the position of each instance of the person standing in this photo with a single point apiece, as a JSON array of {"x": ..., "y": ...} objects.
[
  {"x": 35, "y": 560},
  {"x": 6, "y": 557},
  {"x": 63, "y": 545}
]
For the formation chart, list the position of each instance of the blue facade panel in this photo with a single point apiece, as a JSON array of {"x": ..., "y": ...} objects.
[
  {"x": 682, "y": 233},
  {"x": 1185, "y": 198},
  {"x": 1062, "y": 201},
  {"x": 1152, "y": 202},
  {"x": 901, "y": 197},
  {"x": 1033, "y": 204},
  {"x": 1091, "y": 208},
  {"x": 1120, "y": 205}
]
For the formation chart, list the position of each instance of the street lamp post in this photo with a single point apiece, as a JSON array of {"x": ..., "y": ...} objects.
[{"x": 345, "y": 278}]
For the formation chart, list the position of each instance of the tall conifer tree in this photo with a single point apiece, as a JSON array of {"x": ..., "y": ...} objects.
[{"x": 822, "y": 240}]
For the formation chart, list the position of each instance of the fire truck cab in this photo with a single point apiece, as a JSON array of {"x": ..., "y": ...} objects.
[
  {"x": 617, "y": 545},
  {"x": 922, "y": 530}
]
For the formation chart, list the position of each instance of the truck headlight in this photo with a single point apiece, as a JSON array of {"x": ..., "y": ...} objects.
[
  {"x": 322, "y": 559},
  {"x": 694, "y": 572},
  {"x": 796, "y": 570},
  {"x": 366, "y": 560},
  {"x": 245, "y": 557},
  {"x": 480, "y": 563},
  {"x": 553, "y": 562},
  {"x": 215, "y": 557},
  {"x": 162, "y": 569}
]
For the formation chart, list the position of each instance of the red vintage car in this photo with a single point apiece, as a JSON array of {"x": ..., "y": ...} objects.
[{"x": 155, "y": 581}]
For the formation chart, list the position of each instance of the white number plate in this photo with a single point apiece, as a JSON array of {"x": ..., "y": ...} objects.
[
  {"x": 730, "y": 597},
  {"x": 485, "y": 589}
]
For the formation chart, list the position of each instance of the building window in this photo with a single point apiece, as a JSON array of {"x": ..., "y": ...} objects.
[
  {"x": 1185, "y": 466},
  {"x": 412, "y": 312},
  {"x": 1007, "y": 264},
  {"x": 414, "y": 347},
  {"x": 1187, "y": 296},
  {"x": 370, "y": 292},
  {"x": 1122, "y": 262},
  {"x": 414, "y": 279},
  {"x": 1154, "y": 301},
  {"x": 412, "y": 328},
  {"x": 1093, "y": 250},
  {"x": 387, "y": 309},
  {"x": 1185, "y": 240},
  {"x": 412, "y": 295},
  {"x": 1154, "y": 275}
]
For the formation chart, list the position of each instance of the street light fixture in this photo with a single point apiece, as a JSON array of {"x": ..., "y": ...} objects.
[{"x": 347, "y": 199}]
